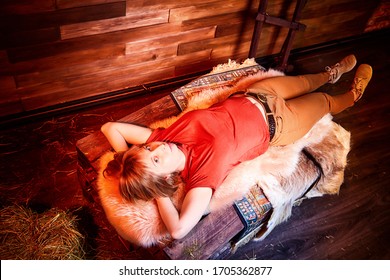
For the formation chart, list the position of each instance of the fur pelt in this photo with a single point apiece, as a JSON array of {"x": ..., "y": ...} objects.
[
  {"x": 284, "y": 174},
  {"x": 140, "y": 222},
  {"x": 281, "y": 172}
]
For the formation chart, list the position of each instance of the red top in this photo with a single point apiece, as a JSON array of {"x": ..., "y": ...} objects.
[{"x": 216, "y": 139}]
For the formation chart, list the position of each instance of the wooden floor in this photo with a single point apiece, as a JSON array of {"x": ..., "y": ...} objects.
[{"x": 38, "y": 168}]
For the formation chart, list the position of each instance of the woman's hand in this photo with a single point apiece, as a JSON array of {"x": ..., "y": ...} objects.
[{"x": 195, "y": 204}]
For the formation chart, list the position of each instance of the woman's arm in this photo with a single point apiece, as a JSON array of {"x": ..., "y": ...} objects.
[
  {"x": 195, "y": 204},
  {"x": 120, "y": 134}
]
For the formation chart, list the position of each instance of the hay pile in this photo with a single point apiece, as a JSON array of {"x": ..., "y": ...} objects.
[{"x": 26, "y": 235}]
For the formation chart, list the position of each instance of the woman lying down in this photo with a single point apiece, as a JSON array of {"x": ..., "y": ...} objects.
[{"x": 202, "y": 146}]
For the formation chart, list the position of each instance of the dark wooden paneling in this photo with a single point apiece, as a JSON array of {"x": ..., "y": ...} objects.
[
  {"x": 89, "y": 85},
  {"x": 209, "y": 9},
  {"x": 21, "y": 38},
  {"x": 170, "y": 39},
  {"x": 90, "y": 43},
  {"x": 65, "y": 59},
  {"x": 20, "y": 7},
  {"x": 27, "y": 29},
  {"x": 60, "y": 17},
  {"x": 214, "y": 43},
  {"x": 65, "y": 4},
  {"x": 158, "y": 4},
  {"x": 131, "y": 21},
  {"x": 66, "y": 50}
]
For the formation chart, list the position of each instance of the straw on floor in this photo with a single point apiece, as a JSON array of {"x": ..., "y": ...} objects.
[{"x": 51, "y": 235}]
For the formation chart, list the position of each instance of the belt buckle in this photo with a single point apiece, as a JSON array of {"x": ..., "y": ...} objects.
[{"x": 262, "y": 98}]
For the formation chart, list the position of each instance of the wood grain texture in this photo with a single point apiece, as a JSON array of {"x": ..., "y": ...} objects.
[
  {"x": 38, "y": 168},
  {"x": 66, "y": 4},
  {"x": 129, "y": 21},
  {"x": 21, "y": 7},
  {"x": 212, "y": 8},
  {"x": 59, "y": 17},
  {"x": 208, "y": 236},
  {"x": 171, "y": 39},
  {"x": 50, "y": 45}
]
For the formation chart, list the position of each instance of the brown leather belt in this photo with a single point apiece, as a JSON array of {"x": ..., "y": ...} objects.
[{"x": 262, "y": 99}]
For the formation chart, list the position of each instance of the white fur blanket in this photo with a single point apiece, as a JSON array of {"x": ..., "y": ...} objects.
[{"x": 279, "y": 172}]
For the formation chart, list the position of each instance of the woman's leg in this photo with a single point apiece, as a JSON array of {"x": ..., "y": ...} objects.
[
  {"x": 290, "y": 86},
  {"x": 293, "y": 86},
  {"x": 296, "y": 116}
]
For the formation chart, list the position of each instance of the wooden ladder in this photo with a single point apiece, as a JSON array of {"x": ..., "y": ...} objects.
[{"x": 262, "y": 17}]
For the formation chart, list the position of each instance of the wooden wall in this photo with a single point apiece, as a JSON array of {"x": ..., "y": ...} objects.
[{"x": 56, "y": 51}]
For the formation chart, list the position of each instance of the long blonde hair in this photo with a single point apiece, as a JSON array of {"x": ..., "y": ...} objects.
[{"x": 136, "y": 182}]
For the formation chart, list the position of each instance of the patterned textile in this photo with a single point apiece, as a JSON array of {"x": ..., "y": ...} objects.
[{"x": 210, "y": 82}]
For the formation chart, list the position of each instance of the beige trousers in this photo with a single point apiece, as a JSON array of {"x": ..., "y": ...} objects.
[{"x": 296, "y": 107}]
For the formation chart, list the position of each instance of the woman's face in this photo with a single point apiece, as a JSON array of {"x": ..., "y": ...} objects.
[{"x": 163, "y": 158}]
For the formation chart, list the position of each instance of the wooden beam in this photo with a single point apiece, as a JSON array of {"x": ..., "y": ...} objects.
[
  {"x": 33, "y": 21},
  {"x": 209, "y": 236},
  {"x": 127, "y": 22},
  {"x": 281, "y": 22}
]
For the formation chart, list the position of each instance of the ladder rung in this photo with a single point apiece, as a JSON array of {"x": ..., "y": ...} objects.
[{"x": 281, "y": 22}]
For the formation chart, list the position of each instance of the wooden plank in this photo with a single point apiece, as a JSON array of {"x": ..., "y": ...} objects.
[
  {"x": 351, "y": 5},
  {"x": 237, "y": 18},
  {"x": 229, "y": 51},
  {"x": 172, "y": 39},
  {"x": 131, "y": 21},
  {"x": 10, "y": 99},
  {"x": 22, "y": 7},
  {"x": 68, "y": 60},
  {"x": 17, "y": 38},
  {"x": 186, "y": 48},
  {"x": 232, "y": 28},
  {"x": 318, "y": 9},
  {"x": 154, "y": 54},
  {"x": 66, "y": 4},
  {"x": 90, "y": 42},
  {"x": 104, "y": 69},
  {"x": 281, "y": 8},
  {"x": 272, "y": 46},
  {"x": 4, "y": 59},
  {"x": 195, "y": 67},
  {"x": 158, "y": 4},
  {"x": 82, "y": 82},
  {"x": 56, "y": 92},
  {"x": 208, "y": 9},
  {"x": 63, "y": 91},
  {"x": 61, "y": 17},
  {"x": 345, "y": 24},
  {"x": 207, "y": 237},
  {"x": 7, "y": 85},
  {"x": 11, "y": 106}
]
